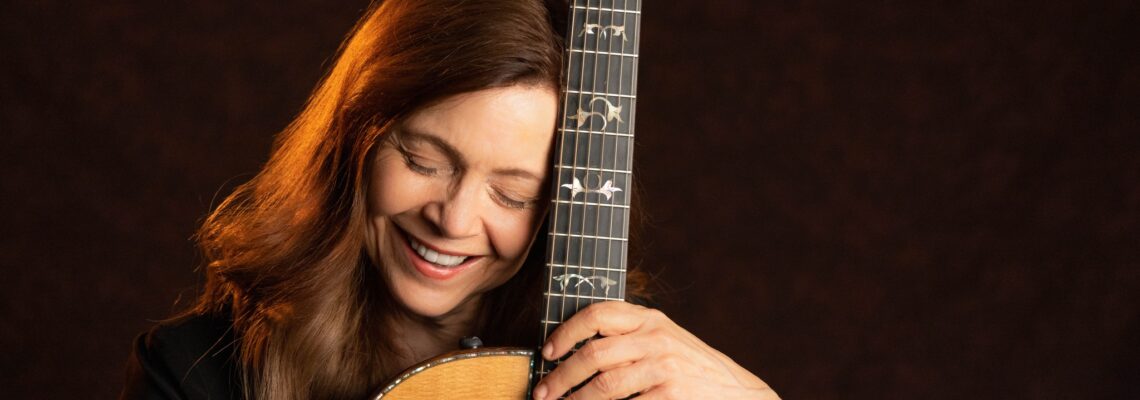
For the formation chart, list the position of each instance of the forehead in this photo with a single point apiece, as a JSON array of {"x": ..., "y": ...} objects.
[{"x": 500, "y": 127}]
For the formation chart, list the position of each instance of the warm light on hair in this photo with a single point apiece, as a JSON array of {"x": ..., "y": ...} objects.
[{"x": 286, "y": 251}]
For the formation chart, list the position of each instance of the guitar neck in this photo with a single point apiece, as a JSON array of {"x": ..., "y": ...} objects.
[{"x": 589, "y": 211}]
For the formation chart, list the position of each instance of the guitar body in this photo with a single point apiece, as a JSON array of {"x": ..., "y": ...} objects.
[{"x": 485, "y": 373}]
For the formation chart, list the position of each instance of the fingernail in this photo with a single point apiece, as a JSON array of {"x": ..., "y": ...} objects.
[
  {"x": 547, "y": 351},
  {"x": 540, "y": 392}
]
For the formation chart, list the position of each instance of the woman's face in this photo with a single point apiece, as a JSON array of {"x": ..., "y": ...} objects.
[{"x": 454, "y": 196}]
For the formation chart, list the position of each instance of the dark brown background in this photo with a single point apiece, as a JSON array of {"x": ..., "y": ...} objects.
[{"x": 852, "y": 199}]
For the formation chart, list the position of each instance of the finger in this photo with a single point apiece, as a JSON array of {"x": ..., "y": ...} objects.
[
  {"x": 610, "y": 318},
  {"x": 620, "y": 383},
  {"x": 598, "y": 355}
]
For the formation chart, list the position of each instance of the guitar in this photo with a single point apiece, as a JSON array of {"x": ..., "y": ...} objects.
[{"x": 588, "y": 223}]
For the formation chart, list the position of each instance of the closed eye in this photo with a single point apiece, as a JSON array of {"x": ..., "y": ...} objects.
[
  {"x": 511, "y": 202},
  {"x": 420, "y": 164},
  {"x": 410, "y": 161}
]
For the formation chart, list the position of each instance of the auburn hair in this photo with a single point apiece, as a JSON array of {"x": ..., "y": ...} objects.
[{"x": 286, "y": 254}]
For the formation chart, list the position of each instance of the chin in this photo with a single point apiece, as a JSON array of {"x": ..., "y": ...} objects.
[{"x": 426, "y": 301}]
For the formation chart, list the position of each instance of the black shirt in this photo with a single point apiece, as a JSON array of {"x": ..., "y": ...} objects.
[{"x": 188, "y": 359}]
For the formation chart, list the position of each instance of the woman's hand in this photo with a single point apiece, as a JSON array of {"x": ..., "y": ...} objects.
[{"x": 641, "y": 351}]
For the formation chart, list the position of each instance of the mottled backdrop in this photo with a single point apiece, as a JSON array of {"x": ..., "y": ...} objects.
[{"x": 855, "y": 200}]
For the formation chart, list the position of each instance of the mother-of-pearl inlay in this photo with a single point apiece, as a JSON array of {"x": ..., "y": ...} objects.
[
  {"x": 612, "y": 112},
  {"x": 616, "y": 30},
  {"x": 607, "y": 188},
  {"x": 565, "y": 279}
]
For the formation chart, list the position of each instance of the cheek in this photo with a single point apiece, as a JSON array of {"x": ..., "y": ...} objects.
[
  {"x": 391, "y": 191},
  {"x": 515, "y": 233}
]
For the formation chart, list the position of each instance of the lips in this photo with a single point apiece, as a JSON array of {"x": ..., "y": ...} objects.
[
  {"x": 443, "y": 267},
  {"x": 441, "y": 259}
]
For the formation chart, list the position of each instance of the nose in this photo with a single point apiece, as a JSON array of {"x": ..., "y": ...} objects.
[{"x": 456, "y": 214}]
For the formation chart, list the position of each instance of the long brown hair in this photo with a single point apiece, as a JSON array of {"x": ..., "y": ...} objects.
[{"x": 285, "y": 252}]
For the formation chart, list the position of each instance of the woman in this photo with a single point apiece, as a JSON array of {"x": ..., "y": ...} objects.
[{"x": 395, "y": 216}]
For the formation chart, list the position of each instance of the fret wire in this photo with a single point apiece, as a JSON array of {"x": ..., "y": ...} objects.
[
  {"x": 588, "y": 237},
  {"x": 546, "y": 303},
  {"x": 577, "y": 141},
  {"x": 633, "y": 73},
  {"x": 572, "y": 169},
  {"x": 582, "y": 82},
  {"x": 600, "y": 52},
  {"x": 615, "y": 161},
  {"x": 586, "y": 203},
  {"x": 582, "y": 296},
  {"x": 624, "y": 96},
  {"x": 554, "y": 265},
  {"x": 595, "y": 132},
  {"x": 626, "y": 56},
  {"x": 632, "y": 122},
  {"x": 589, "y": 142},
  {"x": 607, "y": 9},
  {"x": 573, "y": 228},
  {"x": 612, "y": 72},
  {"x": 591, "y": 169},
  {"x": 621, "y": 75},
  {"x": 617, "y": 126}
]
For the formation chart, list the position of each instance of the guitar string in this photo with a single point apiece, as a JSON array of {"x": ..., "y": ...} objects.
[
  {"x": 553, "y": 241},
  {"x": 627, "y": 164},
  {"x": 628, "y": 184},
  {"x": 631, "y": 126},
  {"x": 576, "y": 268},
  {"x": 546, "y": 328},
  {"x": 589, "y": 149},
  {"x": 596, "y": 208},
  {"x": 566, "y": 269},
  {"x": 617, "y": 129},
  {"x": 569, "y": 308},
  {"x": 636, "y": 28},
  {"x": 578, "y": 300}
]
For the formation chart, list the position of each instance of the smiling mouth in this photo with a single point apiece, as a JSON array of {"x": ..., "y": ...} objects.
[
  {"x": 433, "y": 262},
  {"x": 435, "y": 257}
]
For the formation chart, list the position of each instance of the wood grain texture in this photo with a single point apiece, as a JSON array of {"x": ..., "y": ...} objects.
[{"x": 470, "y": 374}]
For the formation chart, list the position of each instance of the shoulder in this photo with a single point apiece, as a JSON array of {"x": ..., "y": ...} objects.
[{"x": 187, "y": 358}]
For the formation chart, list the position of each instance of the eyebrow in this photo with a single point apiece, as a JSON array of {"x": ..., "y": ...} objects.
[
  {"x": 406, "y": 133},
  {"x": 451, "y": 152}
]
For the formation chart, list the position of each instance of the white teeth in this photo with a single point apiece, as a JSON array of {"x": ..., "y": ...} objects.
[{"x": 434, "y": 256}]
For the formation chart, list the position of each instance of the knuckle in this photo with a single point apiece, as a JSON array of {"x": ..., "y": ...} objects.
[
  {"x": 585, "y": 315},
  {"x": 596, "y": 312},
  {"x": 593, "y": 352},
  {"x": 655, "y": 314},
  {"x": 608, "y": 382},
  {"x": 670, "y": 364},
  {"x": 598, "y": 323},
  {"x": 661, "y": 336}
]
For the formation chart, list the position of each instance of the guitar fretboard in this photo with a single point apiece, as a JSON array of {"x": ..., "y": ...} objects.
[{"x": 589, "y": 211}]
